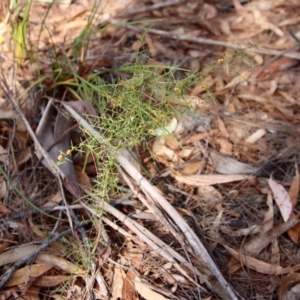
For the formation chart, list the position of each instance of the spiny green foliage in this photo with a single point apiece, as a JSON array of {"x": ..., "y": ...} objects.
[{"x": 129, "y": 112}]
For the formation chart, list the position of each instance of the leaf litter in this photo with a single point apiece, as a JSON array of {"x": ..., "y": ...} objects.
[{"x": 226, "y": 197}]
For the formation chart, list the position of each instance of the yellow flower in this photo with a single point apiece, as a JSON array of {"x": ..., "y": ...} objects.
[
  {"x": 220, "y": 60},
  {"x": 151, "y": 131},
  {"x": 69, "y": 151},
  {"x": 176, "y": 89},
  {"x": 60, "y": 157}
]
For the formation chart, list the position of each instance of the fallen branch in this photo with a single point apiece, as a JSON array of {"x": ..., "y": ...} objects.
[
  {"x": 152, "y": 7},
  {"x": 200, "y": 40}
]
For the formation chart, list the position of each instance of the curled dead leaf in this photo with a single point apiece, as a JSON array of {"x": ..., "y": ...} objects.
[
  {"x": 282, "y": 199},
  {"x": 28, "y": 274},
  {"x": 228, "y": 165}
]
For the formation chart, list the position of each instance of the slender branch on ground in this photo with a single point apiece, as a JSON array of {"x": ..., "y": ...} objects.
[
  {"x": 152, "y": 7},
  {"x": 200, "y": 40},
  {"x": 44, "y": 209}
]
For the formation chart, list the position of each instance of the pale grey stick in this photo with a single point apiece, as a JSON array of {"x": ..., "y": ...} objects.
[{"x": 200, "y": 40}]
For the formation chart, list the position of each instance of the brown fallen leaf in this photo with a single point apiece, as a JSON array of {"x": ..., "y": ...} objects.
[
  {"x": 53, "y": 199},
  {"x": 191, "y": 168},
  {"x": 258, "y": 265},
  {"x": 51, "y": 281},
  {"x": 117, "y": 284},
  {"x": 243, "y": 77},
  {"x": 226, "y": 146},
  {"x": 257, "y": 244},
  {"x": 286, "y": 283},
  {"x": 252, "y": 97},
  {"x": 13, "y": 255},
  {"x": 279, "y": 65},
  {"x": 228, "y": 165},
  {"x": 146, "y": 292},
  {"x": 3, "y": 210},
  {"x": 56, "y": 140},
  {"x": 294, "y": 233},
  {"x": 266, "y": 237},
  {"x": 103, "y": 255},
  {"x": 11, "y": 292},
  {"x": 282, "y": 199},
  {"x": 222, "y": 127},
  {"x": 59, "y": 263},
  {"x": 128, "y": 289},
  {"x": 28, "y": 274},
  {"x": 254, "y": 137},
  {"x": 203, "y": 180},
  {"x": 197, "y": 137},
  {"x": 241, "y": 10},
  {"x": 82, "y": 178},
  {"x": 6, "y": 159},
  {"x": 209, "y": 194},
  {"x": 164, "y": 154}
]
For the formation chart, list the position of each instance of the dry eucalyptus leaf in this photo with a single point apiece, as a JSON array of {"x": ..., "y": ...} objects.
[
  {"x": 294, "y": 233},
  {"x": 254, "y": 137},
  {"x": 13, "y": 255},
  {"x": 204, "y": 180},
  {"x": 51, "y": 281},
  {"x": 260, "y": 266},
  {"x": 10, "y": 114},
  {"x": 3, "y": 187},
  {"x": 286, "y": 284},
  {"x": 209, "y": 194},
  {"x": 228, "y": 165},
  {"x": 145, "y": 291},
  {"x": 56, "y": 140},
  {"x": 28, "y": 274},
  {"x": 162, "y": 153},
  {"x": 282, "y": 199},
  {"x": 3, "y": 210},
  {"x": 59, "y": 263},
  {"x": 241, "y": 78},
  {"x": 191, "y": 168},
  {"x": 118, "y": 281}
]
